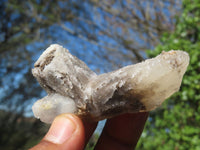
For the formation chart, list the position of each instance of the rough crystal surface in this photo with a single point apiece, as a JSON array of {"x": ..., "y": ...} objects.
[{"x": 73, "y": 88}]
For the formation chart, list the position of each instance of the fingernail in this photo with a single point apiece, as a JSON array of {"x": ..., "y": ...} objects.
[{"x": 61, "y": 130}]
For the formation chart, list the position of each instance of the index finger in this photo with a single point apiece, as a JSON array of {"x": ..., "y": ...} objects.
[{"x": 122, "y": 132}]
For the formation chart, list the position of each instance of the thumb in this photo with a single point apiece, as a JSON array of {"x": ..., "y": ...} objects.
[{"x": 65, "y": 133}]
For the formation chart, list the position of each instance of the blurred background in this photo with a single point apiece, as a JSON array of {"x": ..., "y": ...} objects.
[{"x": 106, "y": 35}]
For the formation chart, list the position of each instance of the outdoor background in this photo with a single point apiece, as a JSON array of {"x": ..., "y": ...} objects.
[{"x": 106, "y": 35}]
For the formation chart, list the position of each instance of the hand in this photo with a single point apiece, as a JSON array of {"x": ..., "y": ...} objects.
[{"x": 68, "y": 132}]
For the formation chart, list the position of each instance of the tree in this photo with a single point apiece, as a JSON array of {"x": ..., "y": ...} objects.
[
  {"x": 93, "y": 30},
  {"x": 136, "y": 25},
  {"x": 176, "y": 124}
]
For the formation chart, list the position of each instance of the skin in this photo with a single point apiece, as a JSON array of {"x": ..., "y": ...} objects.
[{"x": 68, "y": 132}]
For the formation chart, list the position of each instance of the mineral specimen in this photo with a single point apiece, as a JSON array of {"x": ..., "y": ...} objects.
[{"x": 73, "y": 88}]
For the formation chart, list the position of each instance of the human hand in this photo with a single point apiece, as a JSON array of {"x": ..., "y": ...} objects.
[{"x": 68, "y": 132}]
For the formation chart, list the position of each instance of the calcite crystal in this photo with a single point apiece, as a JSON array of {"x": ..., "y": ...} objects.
[{"x": 73, "y": 88}]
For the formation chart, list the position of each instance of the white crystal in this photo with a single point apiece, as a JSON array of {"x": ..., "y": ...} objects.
[
  {"x": 73, "y": 88},
  {"x": 53, "y": 105}
]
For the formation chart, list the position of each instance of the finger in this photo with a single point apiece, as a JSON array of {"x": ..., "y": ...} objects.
[
  {"x": 89, "y": 129},
  {"x": 122, "y": 132},
  {"x": 66, "y": 132}
]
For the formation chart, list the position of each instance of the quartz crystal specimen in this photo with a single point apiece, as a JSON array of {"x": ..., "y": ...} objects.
[{"x": 73, "y": 88}]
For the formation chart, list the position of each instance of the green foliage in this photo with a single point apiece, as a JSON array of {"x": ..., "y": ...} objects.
[
  {"x": 92, "y": 142},
  {"x": 176, "y": 125}
]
